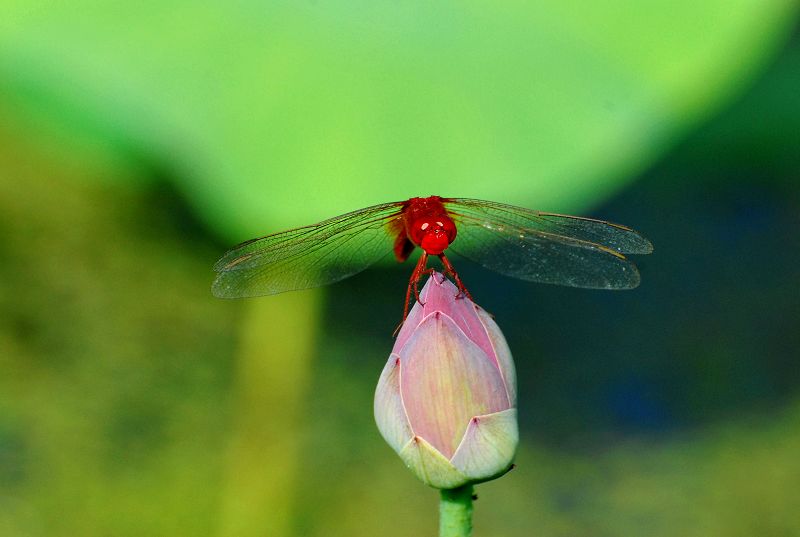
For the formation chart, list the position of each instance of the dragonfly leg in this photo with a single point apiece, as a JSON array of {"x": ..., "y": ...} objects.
[
  {"x": 413, "y": 282},
  {"x": 413, "y": 285},
  {"x": 448, "y": 268}
]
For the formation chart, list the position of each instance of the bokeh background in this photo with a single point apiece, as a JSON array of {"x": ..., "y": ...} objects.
[{"x": 139, "y": 140}]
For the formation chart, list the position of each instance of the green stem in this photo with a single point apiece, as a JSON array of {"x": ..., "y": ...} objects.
[
  {"x": 274, "y": 372},
  {"x": 455, "y": 512}
]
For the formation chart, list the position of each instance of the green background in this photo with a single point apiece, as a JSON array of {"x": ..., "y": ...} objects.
[{"x": 139, "y": 141}]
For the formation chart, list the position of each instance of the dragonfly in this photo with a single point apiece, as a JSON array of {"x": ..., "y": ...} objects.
[{"x": 522, "y": 243}]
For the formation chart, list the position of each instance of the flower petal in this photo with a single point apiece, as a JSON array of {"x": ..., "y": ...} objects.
[
  {"x": 390, "y": 416},
  {"x": 503, "y": 354},
  {"x": 488, "y": 446},
  {"x": 440, "y": 294},
  {"x": 446, "y": 380},
  {"x": 415, "y": 316},
  {"x": 431, "y": 466}
]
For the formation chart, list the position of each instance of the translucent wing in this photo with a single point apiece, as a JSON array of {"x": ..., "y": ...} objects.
[
  {"x": 546, "y": 247},
  {"x": 308, "y": 256}
]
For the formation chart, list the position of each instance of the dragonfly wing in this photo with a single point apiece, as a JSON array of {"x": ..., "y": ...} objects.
[
  {"x": 307, "y": 257},
  {"x": 546, "y": 248},
  {"x": 613, "y": 236}
]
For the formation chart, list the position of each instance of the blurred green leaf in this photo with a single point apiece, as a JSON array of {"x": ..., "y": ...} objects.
[{"x": 280, "y": 113}]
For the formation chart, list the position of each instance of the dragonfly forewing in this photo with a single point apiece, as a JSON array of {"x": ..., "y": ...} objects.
[
  {"x": 608, "y": 234},
  {"x": 306, "y": 257},
  {"x": 546, "y": 247}
]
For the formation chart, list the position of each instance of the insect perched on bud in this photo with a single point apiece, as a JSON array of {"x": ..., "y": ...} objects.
[{"x": 446, "y": 400}]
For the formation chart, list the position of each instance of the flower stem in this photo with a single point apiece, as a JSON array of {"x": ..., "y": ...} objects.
[{"x": 455, "y": 512}]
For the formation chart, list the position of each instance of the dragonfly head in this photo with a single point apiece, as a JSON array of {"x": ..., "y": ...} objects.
[{"x": 433, "y": 234}]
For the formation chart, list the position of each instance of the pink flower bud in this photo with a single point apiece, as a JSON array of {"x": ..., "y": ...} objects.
[{"x": 446, "y": 400}]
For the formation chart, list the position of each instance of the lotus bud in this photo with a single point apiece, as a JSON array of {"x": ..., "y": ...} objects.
[{"x": 446, "y": 400}]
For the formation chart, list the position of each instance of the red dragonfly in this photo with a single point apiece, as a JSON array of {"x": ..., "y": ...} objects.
[{"x": 525, "y": 244}]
